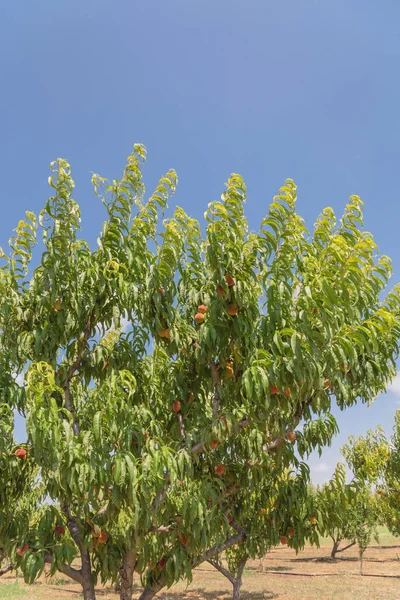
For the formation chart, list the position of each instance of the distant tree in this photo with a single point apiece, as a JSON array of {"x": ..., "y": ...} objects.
[
  {"x": 169, "y": 377},
  {"x": 346, "y": 514},
  {"x": 377, "y": 458}
]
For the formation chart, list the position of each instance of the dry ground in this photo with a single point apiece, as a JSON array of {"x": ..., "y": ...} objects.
[{"x": 283, "y": 576}]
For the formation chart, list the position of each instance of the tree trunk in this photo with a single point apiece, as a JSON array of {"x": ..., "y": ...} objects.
[
  {"x": 238, "y": 580},
  {"x": 335, "y": 548},
  {"x": 86, "y": 568},
  {"x": 87, "y": 585},
  {"x": 236, "y": 590},
  {"x": 148, "y": 594},
  {"x": 126, "y": 576}
]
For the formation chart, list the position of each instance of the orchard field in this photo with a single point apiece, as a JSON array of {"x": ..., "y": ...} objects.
[{"x": 279, "y": 576}]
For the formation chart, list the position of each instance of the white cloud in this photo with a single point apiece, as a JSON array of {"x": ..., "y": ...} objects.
[{"x": 394, "y": 387}]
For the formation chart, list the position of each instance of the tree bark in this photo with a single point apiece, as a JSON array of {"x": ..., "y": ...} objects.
[
  {"x": 6, "y": 569},
  {"x": 86, "y": 568},
  {"x": 335, "y": 548},
  {"x": 87, "y": 584},
  {"x": 238, "y": 583},
  {"x": 74, "y": 574},
  {"x": 126, "y": 576},
  {"x": 149, "y": 593},
  {"x": 347, "y": 547},
  {"x": 236, "y": 590}
]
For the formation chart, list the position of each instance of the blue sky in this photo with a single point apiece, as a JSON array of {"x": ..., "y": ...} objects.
[{"x": 306, "y": 89}]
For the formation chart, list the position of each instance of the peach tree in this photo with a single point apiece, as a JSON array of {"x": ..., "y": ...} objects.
[
  {"x": 348, "y": 513},
  {"x": 376, "y": 458},
  {"x": 171, "y": 376}
]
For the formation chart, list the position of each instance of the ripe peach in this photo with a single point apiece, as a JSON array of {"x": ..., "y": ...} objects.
[
  {"x": 273, "y": 390},
  {"x": 176, "y": 407},
  {"x": 229, "y": 373},
  {"x": 214, "y": 444},
  {"x": 103, "y": 537},
  {"x": 161, "y": 564},
  {"x": 287, "y": 393},
  {"x": 20, "y": 453},
  {"x": 202, "y": 308},
  {"x": 291, "y": 532},
  {"x": 60, "y": 529},
  {"x": 328, "y": 385},
  {"x": 233, "y": 310},
  {"x": 161, "y": 290},
  {"x": 164, "y": 333},
  {"x": 229, "y": 280},
  {"x": 21, "y": 551},
  {"x": 220, "y": 291},
  {"x": 284, "y": 540},
  {"x": 291, "y": 436},
  {"x": 183, "y": 540},
  {"x": 219, "y": 470},
  {"x": 199, "y": 318}
]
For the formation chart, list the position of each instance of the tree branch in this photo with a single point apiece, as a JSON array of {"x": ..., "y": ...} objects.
[
  {"x": 6, "y": 569},
  {"x": 222, "y": 570},
  {"x": 75, "y": 365},
  {"x": 73, "y": 527},
  {"x": 346, "y": 547},
  {"x": 217, "y": 383},
  {"x": 161, "y": 529},
  {"x": 241, "y": 566},
  {"x": 74, "y": 574},
  {"x": 182, "y": 428},
  {"x": 219, "y": 548},
  {"x": 150, "y": 592}
]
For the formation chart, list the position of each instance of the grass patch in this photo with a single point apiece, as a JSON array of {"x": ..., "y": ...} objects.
[{"x": 9, "y": 591}]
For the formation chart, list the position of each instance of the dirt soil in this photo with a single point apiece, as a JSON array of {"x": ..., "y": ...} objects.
[{"x": 281, "y": 575}]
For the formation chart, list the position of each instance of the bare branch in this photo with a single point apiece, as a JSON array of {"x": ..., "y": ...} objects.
[
  {"x": 346, "y": 547},
  {"x": 222, "y": 570},
  {"x": 161, "y": 529},
  {"x": 74, "y": 574}
]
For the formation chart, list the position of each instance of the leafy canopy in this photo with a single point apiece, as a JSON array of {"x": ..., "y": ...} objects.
[{"x": 137, "y": 408}]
